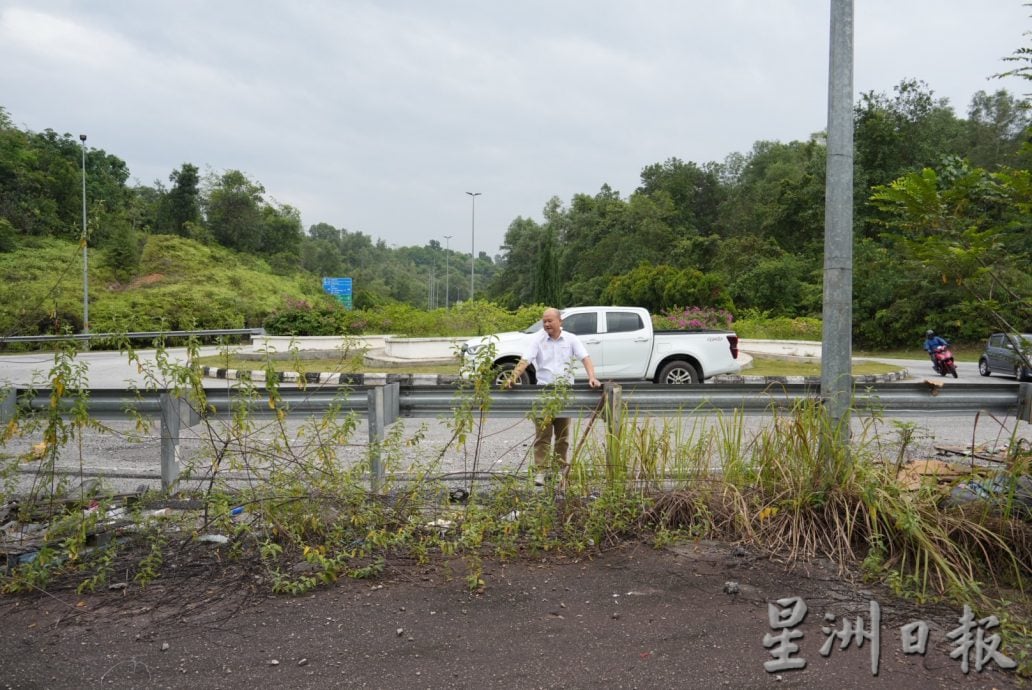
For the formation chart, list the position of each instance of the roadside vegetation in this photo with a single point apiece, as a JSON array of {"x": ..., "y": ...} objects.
[{"x": 272, "y": 493}]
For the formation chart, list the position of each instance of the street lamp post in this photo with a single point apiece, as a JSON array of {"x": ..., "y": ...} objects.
[
  {"x": 473, "y": 244},
  {"x": 431, "y": 286},
  {"x": 85, "y": 264},
  {"x": 446, "y": 252}
]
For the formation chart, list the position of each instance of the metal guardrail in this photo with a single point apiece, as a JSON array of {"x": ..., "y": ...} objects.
[
  {"x": 383, "y": 405},
  {"x": 431, "y": 401},
  {"x": 139, "y": 335},
  {"x": 173, "y": 412}
]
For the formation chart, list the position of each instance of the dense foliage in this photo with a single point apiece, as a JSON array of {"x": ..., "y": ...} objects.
[
  {"x": 747, "y": 234},
  {"x": 466, "y": 318},
  {"x": 942, "y": 207}
]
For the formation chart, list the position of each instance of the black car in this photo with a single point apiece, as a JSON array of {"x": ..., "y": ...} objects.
[{"x": 1002, "y": 356}]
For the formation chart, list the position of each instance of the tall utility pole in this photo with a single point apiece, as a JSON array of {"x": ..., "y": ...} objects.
[
  {"x": 473, "y": 244},
  {"x": 85, "y": 262},
  {"x": 446, "y": 252},
  {"x": 837, "y": 341}
]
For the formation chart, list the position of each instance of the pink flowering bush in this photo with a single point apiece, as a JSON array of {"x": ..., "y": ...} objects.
[{"x": 691, "y": 318}]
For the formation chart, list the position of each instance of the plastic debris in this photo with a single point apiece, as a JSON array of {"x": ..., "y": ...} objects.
[
  {"x": 1003, "y": 492},
  {"x": 213, "y": 539},
  {"x": 441, "y": 525}
]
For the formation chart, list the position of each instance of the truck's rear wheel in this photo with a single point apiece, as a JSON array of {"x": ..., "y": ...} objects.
[{"x": 679, "y": 372}]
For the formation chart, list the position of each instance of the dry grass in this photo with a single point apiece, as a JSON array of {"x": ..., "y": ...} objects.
[{"x": 788, "y": 489}]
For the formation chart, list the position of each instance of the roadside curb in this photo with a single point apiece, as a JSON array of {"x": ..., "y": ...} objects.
[
  {"x": 890, "y": 377},
  {"x": 330, "y": 378},
  {"x": 379, "y": 379}
]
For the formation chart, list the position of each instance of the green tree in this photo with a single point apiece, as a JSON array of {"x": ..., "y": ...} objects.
[
  {"x": 280, "y": 234},
  {"x": 513, "y": 284},
  {"x": 995, "y": 129},
  {"x": 900, "y": 134},
  {"x": 604, "y": 236},
  {"x": 40, "y": 182},
  {"x": 658, "y": 287},
  {"x": 321, "y": 257},
  {"x": 970, "y": 228},
  {"x": 233, "y": 210},
  {"x": 774, "y": 204},
  {"x": 692, "y": 287},
  {"x": 547, "y": 287},
  {"x": 777, "y": 285},
  {"x": 122, "y": 251},
  {"x": 8, "y": 237},
  {"x": 696, "y": 193},
  {"x": 180, "y": 207}
]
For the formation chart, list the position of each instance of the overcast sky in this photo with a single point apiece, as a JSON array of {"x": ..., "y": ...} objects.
[{"x": 379, "y": 116}]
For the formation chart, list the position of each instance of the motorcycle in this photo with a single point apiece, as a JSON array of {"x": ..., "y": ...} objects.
[{"x": 942, "y": 361}]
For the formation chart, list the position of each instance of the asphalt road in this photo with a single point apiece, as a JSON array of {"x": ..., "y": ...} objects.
[
  {"x": 113, "y": 369},
  {"x": 106, "y": 369},
  {"x": 967, "y": 372}
]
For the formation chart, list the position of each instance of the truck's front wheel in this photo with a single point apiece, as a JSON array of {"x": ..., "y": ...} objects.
[
  {"x": 503, "y": 371},
  {"x": 679, "y": 372}
]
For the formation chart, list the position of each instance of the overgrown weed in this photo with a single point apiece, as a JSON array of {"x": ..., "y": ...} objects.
[{"x": 269, "y": 476}]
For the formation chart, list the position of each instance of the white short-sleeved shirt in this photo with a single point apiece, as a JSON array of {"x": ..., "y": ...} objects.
[{"x": 553, "y": 359}]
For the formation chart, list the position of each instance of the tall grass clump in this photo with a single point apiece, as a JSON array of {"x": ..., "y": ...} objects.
[{"x": 792, "y": 490}]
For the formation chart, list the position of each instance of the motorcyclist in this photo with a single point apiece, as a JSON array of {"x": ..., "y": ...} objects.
[{"x": 931, "y": 342}]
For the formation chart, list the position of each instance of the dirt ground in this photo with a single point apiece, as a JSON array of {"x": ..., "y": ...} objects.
[{"x": 631, "y": 617}]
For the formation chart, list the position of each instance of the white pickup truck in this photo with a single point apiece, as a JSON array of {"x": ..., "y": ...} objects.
[{"x": 623, "y": 347}]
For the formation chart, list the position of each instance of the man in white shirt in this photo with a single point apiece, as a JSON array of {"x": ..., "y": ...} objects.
[{"x": 553, "y": 351}]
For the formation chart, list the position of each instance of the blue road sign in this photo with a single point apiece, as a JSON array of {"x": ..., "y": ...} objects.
[{"x": 339, "y": 288}]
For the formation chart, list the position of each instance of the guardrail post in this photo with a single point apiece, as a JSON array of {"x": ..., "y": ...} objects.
[
  {"x": 8, "y": 405},
  {"x": 384, "y": 409},
  {"x": 172, "y": 413},
  {"x": 1025, "y": 402},
  {"x": 613, "y": 410},
  {"x": 189, "y": 414}
]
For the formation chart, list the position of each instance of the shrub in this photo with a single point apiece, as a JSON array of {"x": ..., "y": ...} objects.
[
  {"x": 690, "y": 318},
  {"x": 462, "y": 319},
  {"x": 758, "y": 325},
  {"x": 299, "y": 318}
]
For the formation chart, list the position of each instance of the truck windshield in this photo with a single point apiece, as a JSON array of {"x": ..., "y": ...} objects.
[
  {"x": 537, "y": 325},
  {"x": 584, "y": 323}
]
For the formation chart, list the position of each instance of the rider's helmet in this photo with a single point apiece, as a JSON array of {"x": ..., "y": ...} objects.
[{"x": 929, "y": 333}]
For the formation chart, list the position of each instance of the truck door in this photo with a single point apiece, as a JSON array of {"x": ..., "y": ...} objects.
[
  {"x": 627, "y": 343},
  {"x": 585, "y": 326}
]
